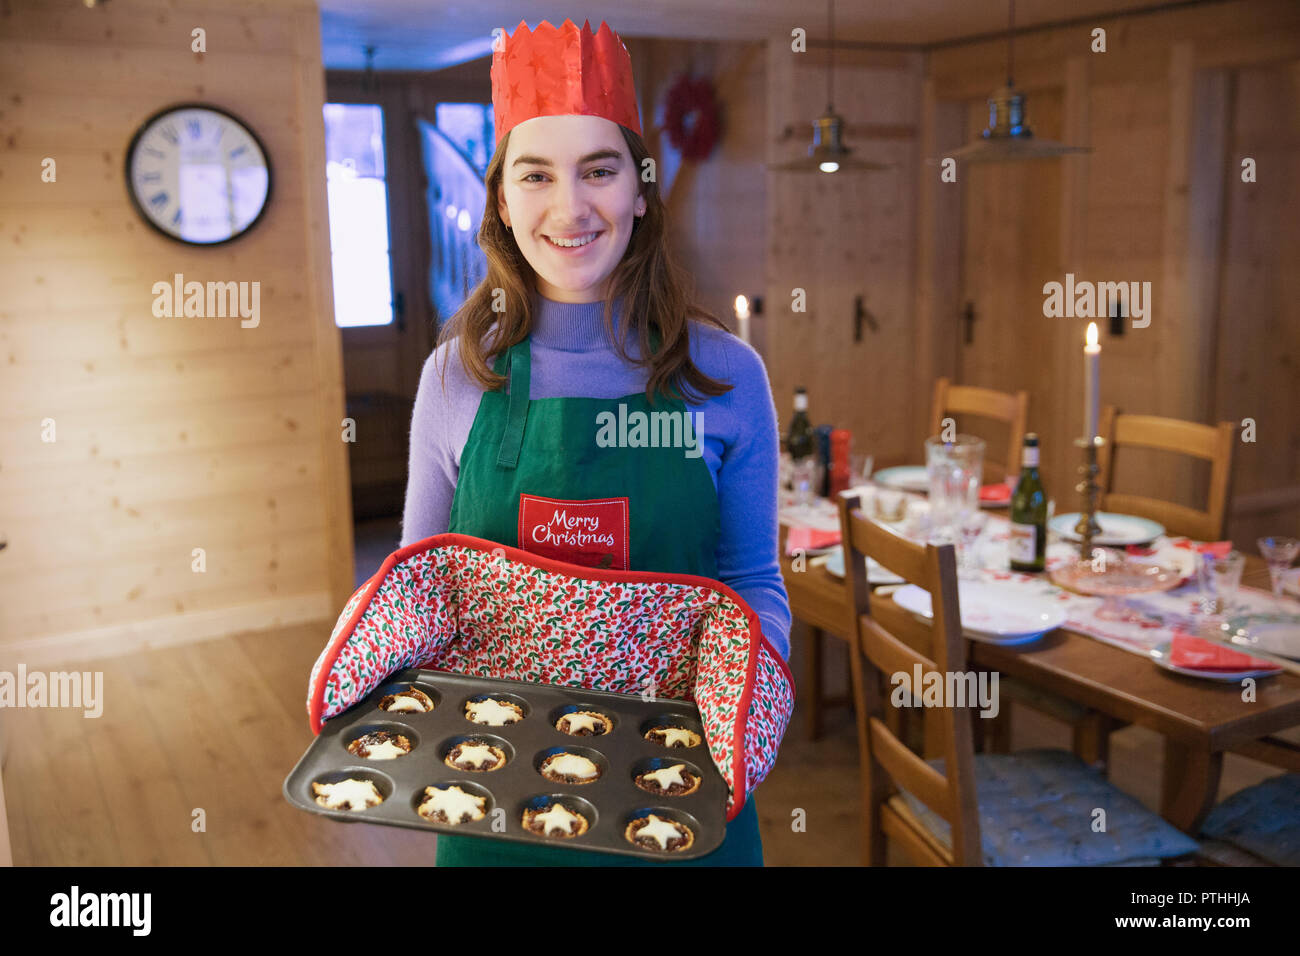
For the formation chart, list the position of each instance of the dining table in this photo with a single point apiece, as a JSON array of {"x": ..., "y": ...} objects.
[{"x": 1200, "y": 720}]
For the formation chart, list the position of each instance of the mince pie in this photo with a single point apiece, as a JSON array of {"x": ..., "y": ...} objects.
[
  {"x": 659, "y": 833},
  {"x": 584, "y": 723},
  {"x": 411, "y": 701},
  {"x": 475, "y": 756},
  {"x": 673, "y": 781},
  {"x": 451, "y": 805},
  {"x": 556, "y": 820},
  {"x": 569, "y": 768},
  {"x": 380, "y": 745},
  {"x": 493, "y": 713},
  {"x": 350, "y": 794},
  {"x": 673, "y": 736}
]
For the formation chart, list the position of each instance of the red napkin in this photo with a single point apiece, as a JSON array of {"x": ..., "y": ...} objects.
[
  {"x": 809, "y": 539},
  {"x": 1202, "y": 655},
  {"x": 1217, "y": 548},
  {"x": 996, "y": 492}
]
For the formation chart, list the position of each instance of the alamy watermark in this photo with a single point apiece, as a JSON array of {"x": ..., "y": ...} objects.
[
  {"x": 651, "y": 430},
  {"x": 84, "y": 689},
  {"x": 946, "y": 689},
  {"x": 1093, "y": 300},
  {"x": 179, "y": 298}
]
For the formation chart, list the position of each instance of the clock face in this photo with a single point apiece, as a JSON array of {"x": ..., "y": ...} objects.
[{"x": 197, "y": 174}]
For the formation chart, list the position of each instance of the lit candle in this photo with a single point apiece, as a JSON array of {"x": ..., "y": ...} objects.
[
  {"x": 1091, "y": 370},
  {"x": 742, "y": 318}
]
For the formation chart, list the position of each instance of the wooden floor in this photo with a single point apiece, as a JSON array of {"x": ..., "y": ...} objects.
[{"x": 218, "y": 725}]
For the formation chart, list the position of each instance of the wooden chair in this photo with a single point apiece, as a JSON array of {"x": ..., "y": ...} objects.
[
  {"x": 1212, "y": 443},
  {"x": 985, "y": 403},
  {"x": 888, "y": 640},
  {"x": 1091, "y": 729}
]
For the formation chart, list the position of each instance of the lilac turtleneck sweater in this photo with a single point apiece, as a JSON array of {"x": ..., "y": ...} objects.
[{"x": 572, "y": 355}]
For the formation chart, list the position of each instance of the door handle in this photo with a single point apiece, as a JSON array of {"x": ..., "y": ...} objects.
[
  {"x": 860, "y": 315},
  {"x": 968, "y": 318}
]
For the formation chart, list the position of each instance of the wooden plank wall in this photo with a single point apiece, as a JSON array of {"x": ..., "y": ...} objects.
[
  {"x": 172, "y": 433},
  {"x": 843, "y": 235},
  {"x": 715, "y": 208},
  {"x": 1169, "y": 109}
]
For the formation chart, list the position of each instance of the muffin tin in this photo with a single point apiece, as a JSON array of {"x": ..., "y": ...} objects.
[{"x": 609, "y": 803}]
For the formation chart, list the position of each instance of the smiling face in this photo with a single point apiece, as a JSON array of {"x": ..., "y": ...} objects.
[{"x": 570, "y": 178}]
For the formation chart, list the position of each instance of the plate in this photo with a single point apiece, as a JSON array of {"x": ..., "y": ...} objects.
[
  {"x": 877, "y": 573},
  {"x": 1272, "y": 633},
  {"x": 1160, "y": 654},
  {"x": 904, "y": 478},
  {"x": 1117, "y": 530},
  {"x": 996, "y": 611}
]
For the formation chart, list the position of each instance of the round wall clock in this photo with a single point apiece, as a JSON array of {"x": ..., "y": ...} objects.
[{"x": 198, "y": 174}]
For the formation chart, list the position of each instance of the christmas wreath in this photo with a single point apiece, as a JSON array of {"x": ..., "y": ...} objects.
[{"x": 692, "y": 117}]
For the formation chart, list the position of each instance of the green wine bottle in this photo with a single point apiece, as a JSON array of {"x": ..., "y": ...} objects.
[
  {"x": 801, "y": 441},
  {"x": 1028, "y": 545}
]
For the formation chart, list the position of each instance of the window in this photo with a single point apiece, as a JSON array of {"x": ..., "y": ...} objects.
[
  {"x": 358, "y": 211},
  {"x": 470, "y": 127}
]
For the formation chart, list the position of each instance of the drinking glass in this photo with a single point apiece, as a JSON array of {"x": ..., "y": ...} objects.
[
  {"x": 807, "y": 479},
  {"x": 890, "y": 505},
  {"x": 1279, "y": 553},
  {"x": 860, "y": 466},
  {"x": 1219, "y": 579},
  {"x": 955, "y": 470}
]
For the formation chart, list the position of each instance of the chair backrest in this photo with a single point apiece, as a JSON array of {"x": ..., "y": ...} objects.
[
  {"x": 984, "y": 403},
  {"x": 889, "y": 641},
  {"x": 1212, "y": 443}
]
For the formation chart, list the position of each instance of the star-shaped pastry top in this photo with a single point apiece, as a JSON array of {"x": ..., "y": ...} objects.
[
  {"x": 579, "y": 722},
  {"x": 383, "y": 750},
  {"x": 557, "y": 818},
  {"x": 477, "y": 754},
  {"x": 491, "y": 712},
  {"x": 667, "y": 776},
  {"x": 659, "y": 830},
  {"x": 454, "y": 802},
  {"x": 350, "y": 794},
  {"x": 408, "y": 702},
  {"x": 677, "y": 735},
  {"x": 572, "y": 765}
]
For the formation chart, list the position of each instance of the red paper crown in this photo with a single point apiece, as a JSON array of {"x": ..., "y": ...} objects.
[{"x": 557, "y": 72}]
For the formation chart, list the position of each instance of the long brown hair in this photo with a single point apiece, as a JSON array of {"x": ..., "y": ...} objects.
[{"x": 653, "y": 288}]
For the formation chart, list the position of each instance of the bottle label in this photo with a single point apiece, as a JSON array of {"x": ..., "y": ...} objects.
[
  {"x": 800, "y": 401},
  {"x": 1030, "y": 458},
  {"x": 1023, "y": 544}
]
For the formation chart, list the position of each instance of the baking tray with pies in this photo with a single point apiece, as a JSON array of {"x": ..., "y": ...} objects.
[{"x": 437, "y": 747}]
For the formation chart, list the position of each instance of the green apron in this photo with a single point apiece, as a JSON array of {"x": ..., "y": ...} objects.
[{"x": 671, "y": 525}]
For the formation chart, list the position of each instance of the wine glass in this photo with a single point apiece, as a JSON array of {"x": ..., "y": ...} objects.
[
  {"x": 971, "y": 524},
  {"x": 1279, "y": 553}
]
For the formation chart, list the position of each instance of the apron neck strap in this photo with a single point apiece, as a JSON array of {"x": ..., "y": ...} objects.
[{"x": 518, "y": 364}]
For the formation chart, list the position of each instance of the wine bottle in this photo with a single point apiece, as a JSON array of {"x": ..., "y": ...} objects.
[
  {"x": 800, "y": 443},
  {"x": 1028, "y": 545}
]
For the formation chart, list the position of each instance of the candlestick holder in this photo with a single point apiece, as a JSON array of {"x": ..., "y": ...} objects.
[{"x": 1088, "y": 528}]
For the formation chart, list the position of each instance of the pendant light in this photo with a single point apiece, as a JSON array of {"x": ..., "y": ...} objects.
[
  {"x": 828, "y": 154},
  {"x": 1008, "y": 136}
]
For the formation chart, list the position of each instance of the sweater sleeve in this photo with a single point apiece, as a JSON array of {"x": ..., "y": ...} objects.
[
  {"x": 434, "y": 464},
  {"x": 747, "y": 494}
]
